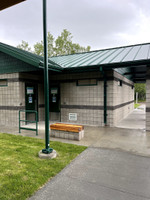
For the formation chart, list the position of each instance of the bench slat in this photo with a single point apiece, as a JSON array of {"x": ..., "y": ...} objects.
[{"x": 67, "y": 127}]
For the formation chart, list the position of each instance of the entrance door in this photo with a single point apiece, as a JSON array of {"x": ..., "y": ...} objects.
[
  {"x": 31, "y": 98},
  {"x": 54, "y": 99}
]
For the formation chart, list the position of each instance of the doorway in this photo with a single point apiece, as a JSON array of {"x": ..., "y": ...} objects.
[
  {"x": 31, "y": 99},
  {"x": 54, "y": 103}
]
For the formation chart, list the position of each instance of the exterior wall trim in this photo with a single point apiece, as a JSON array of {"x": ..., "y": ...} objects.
[
  {"x": 95, "y": 107},
  {"x": 23, "y": 80},
  {"x": 67, "y": 81},
  {"x": 12, "y": 107}
]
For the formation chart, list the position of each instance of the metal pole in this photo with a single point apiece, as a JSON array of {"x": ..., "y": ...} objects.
[{"x": 47, "y": 149}]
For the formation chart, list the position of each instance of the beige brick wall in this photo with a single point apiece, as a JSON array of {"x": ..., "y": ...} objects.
[
  {"x": 41, "y": 110},
  {"x": 9, "y": 100},
  {"x": 71, "y": 94},
  {"x": 14, "y": 96},
  {"x": 121, "y": 94},
  {"x": 27, "y": 77},
  {"x": 148, "y": 102},
  {"x": 120, "y": 113}
]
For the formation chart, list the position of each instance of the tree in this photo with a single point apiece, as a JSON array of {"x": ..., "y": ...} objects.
[
  {"x": 62, "y": 45},
  {"x": 39, "y": 48},
  {"x": 24, "y": 46},
  {"x": 141, "y": 89}
]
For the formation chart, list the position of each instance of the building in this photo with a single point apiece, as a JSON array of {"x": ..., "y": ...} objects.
[{"x": 93, "y": 88}]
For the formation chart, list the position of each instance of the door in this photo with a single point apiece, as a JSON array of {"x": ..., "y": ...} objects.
[
  {"x": 54, "y": 100},
  {"x": 31, "y": 99}
]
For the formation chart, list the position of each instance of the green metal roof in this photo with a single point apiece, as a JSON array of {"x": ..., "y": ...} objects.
[
  {"x": 130, "y": 61},
  {"x": 113, "y": 57},
  {"x": 27, "y": 57}
]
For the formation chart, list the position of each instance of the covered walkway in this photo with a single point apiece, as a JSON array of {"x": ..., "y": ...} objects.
[{"x": 136, "y": 120}]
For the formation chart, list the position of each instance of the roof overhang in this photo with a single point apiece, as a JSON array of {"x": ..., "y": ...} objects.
[{"x": 9, "y": 3}]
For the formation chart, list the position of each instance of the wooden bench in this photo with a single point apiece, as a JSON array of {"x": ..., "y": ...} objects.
[{"x": 67, "y": 131}]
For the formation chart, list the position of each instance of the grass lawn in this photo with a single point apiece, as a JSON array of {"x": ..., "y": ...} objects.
[
  {"x": 136, "y": 105},
  {"x": 22, "y": 172}
]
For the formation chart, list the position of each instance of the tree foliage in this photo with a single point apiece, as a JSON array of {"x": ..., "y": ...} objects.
[
  {"x": 24, "y": 46},
  {"x": 64, "y": 44},
  {"x": 60, "y": 46},
  {"x": 141, "y": 89}
]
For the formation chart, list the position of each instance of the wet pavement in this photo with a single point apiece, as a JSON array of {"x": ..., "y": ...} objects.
[
  {"x": 136, "y": 120},
  {"x": 100, "y": 174},
  {"x": 116, "y": 166},
  {"x": 136, "y": 141},
  {"x": 132, "y": 139}
]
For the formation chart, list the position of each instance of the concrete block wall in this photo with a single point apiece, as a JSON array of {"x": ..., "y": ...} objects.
[
  {"x": 86, "y": 101},
  {"x": 37, "y": 79},
  {"x": 10, "y": 101},
  {"x": 123, "y": 99},
  {"x": 148, "y": 100},
  {"x": 71, "y": 94},
  {"x": 121, "y": 113}
]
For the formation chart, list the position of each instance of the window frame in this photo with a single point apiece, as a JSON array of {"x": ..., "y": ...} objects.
[
  {"x": 4, "y": 85},
  {"x": 77, "y": 82}
]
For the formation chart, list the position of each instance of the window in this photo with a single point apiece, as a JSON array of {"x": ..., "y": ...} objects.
[
  {"x": 87, "y": 82},
  {"x": 119, "y": 83},
  {"x": 3, "y": 82}
]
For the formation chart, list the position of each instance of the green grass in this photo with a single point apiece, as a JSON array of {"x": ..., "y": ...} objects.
[
  {"x": 141, "y": 101},
  {"x": 136, "y": 105},
  {"x": 22, "y": 172}
]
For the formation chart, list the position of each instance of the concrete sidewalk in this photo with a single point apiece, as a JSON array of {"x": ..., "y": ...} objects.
[
  {"x": 116, "y": 166},
  {"x": 136, "y": 141},
  {"x": 100, "y": 174},
  {"x": 135, "y": 120}
]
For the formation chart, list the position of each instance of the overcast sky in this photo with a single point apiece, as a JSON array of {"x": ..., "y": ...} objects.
[{"x": 98, "y": 23}]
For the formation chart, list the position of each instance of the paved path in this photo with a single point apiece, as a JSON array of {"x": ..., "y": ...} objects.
[
  {"x": 104, "y": 171},
  {"x": 135, "y": 120},
  {"x": 100, "y": 174},
  {"x": 136, "y": 141}
]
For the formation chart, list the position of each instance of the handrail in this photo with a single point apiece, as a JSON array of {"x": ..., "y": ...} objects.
[{"x": 36, "y": 121}]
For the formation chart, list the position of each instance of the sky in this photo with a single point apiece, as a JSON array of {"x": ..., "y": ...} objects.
[{"x": 96, "y": 23}]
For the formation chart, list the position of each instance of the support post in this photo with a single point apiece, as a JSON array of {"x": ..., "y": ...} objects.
[
  {"x": 105, "y": 99},
  {"x": 47, "y": 149},
  {"x": 105, "y": 94}
]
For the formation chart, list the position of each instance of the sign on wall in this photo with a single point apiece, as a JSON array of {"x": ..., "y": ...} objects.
[
  {"x": 54, "y": 90},
  {"x": 30, "y": 90},
  {"x": 73, "y": 116}
]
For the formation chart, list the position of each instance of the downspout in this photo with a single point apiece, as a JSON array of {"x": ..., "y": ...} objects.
[{"x": 105, "y": 94}]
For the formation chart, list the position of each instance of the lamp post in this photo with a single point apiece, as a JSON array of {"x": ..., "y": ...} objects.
[{"x": 47, "y": 149}]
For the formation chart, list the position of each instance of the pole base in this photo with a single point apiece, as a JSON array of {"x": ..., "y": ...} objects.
[
  {"x": 51, "y": 155},
  {"x": 47, "y": 151}
]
